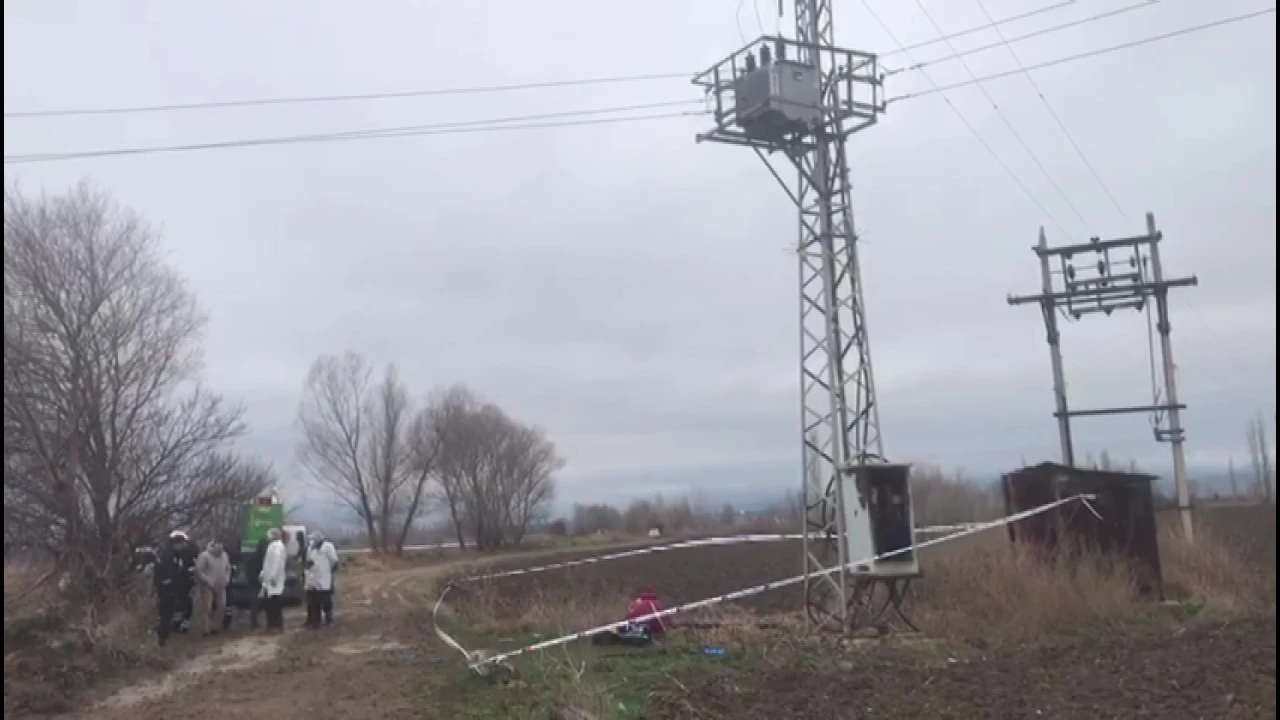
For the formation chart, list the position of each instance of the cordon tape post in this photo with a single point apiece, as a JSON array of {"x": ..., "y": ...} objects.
[{"x": 956, "y": 532}]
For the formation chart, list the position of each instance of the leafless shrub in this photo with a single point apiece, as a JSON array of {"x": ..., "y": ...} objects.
[
  {"x": 109, "y": 438},
  {"x": 52, "y": 652}
]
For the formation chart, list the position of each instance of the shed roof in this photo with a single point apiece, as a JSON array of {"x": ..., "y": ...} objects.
[{"x": 1083, "y": 473}]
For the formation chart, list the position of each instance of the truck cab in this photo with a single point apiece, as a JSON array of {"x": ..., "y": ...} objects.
[{"x": 264, "y": 513}]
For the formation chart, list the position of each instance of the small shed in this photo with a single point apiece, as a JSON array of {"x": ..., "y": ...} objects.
[{"x": 1124, "y": 500}]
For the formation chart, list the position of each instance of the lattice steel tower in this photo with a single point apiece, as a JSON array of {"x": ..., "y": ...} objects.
[{"x": 802, "y": 98}]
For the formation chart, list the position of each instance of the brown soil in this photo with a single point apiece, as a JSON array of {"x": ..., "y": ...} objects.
[
  {"x": 1157, "y": 672},
  {"x": 678, "y": 576}
]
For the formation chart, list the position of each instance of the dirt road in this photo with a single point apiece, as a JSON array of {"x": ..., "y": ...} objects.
[{"x": 377, "y": 661}]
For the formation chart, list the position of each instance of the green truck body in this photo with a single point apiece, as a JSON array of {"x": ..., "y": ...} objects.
[
  {"x": 263, "y": 514},
  {"x": 260, "y": 519}
]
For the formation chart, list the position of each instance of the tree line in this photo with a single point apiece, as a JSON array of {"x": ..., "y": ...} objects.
[
  {"x": 938, "y": 499},
  {"x": 111, "y": 439},
  {"x": 393, "y": 460},
  {"x": 640, "y": 516}
]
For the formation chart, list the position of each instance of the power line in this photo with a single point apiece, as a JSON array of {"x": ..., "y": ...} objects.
[
  {"x": 345, "y": 98},
  {"x": 1000, "y": 113},
  {"x": 1025, "y": 36},
  {"x": 904, "y": 49},
  {"x": 1054, "y": 114},
  {"x": 480, "y": 89},
  {"x": 493, "y": 124},
  {"x": 488, "y": 125},
  {"x": 974, "y": 131},
  {"x": 1088, "y": 54}
]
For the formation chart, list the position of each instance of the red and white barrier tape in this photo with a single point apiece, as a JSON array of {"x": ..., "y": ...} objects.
[
  {"x": 685, "y": 544},
  {"x": 962, "y": 531},
  {"x": 928, "y": 530}
]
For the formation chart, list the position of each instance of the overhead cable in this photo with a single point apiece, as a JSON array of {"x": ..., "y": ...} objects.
[
  {"x": 298, "y": 99},
  {"x": 1008, "y": 123},
  {"x": 520, "y": 122},
  {"x": 496, "y": 124},
  {"x": 1025, "y": 36},
  {"x": 436, "y": 92},
  {"x": 1035, "y": 86},
  {"x": 972, "y": 130},
  {"x": 978, "y": 28},
  {"x": 935, "y": 89}
]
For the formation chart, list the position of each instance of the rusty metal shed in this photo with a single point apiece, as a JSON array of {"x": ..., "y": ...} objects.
[{"x": 1124, "y": 500}]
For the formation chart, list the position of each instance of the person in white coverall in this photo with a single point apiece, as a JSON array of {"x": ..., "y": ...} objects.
[
  {"x": 321, "y": 562},
  {"x": 272, "y": 579}
]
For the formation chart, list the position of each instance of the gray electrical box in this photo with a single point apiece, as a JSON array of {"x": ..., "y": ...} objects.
[
  {"x": 880, "y": 521},
  {"x": 777, "y": 99}
]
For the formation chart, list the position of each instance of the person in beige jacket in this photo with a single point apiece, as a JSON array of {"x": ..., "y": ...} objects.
[{"x": 213, "y": 574}]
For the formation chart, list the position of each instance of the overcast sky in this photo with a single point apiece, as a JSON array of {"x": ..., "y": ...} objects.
[{"x": 632, "y": 292}]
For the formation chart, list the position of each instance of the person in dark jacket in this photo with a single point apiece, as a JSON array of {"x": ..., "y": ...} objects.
[
  {"x": 172, "y": 580},
  {"x": 253, "y": 568},
  {"x": 185, "y": 552}
]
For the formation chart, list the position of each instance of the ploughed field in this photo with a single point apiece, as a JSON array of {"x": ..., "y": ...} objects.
[
  {"x": 1250, "y": 529},
  {"x": 681, "y": 576},
  {"x": 1206, "y": 671},
  {"x": 678, "y": 576},
  {"x": 1165, "y": 667}
]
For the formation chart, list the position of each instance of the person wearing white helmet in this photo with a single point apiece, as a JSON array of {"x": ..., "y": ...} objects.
[{"x": 172, "y": 580}]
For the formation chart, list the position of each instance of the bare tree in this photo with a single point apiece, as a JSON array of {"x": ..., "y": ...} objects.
[
  {"x": 599, "y": 517},
  {"x": 388, "y": 454},
  {"x": 497, "y": 476},
  {"x": 640, "y": 516},
  {"x": 109, "y": 438},
  {"x": 453, "y": 410},
  {"x": 246, "y": 478},
  {"x": 366, "y": 444},
  {"x": 942, "y": 500},
  {"x": 728, "y": 515},
  {"x": 1260, "y": 458},
  {"x": 335, "y": 434},
  {"x": 423, "y": 448}
]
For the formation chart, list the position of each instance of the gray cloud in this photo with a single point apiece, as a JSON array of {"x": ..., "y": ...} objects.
[{"x": 632, "y": 292}]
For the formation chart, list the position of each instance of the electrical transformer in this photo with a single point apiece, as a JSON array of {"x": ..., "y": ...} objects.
[
  {"x": 778, "y": 98},
  {"x": 879, "y": 519}
]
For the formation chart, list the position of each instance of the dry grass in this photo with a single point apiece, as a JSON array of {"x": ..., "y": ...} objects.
[
  {"x": 53, "y": 652},
  {"x": 984, "y": 586},
  {"x": 375, "y": 562},
  {"x": 988, "y": 588},
  {"x": 980, "y": 586},
  {"x": 487, "y": 610},
  {"x": 1211, "y": 571}
]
